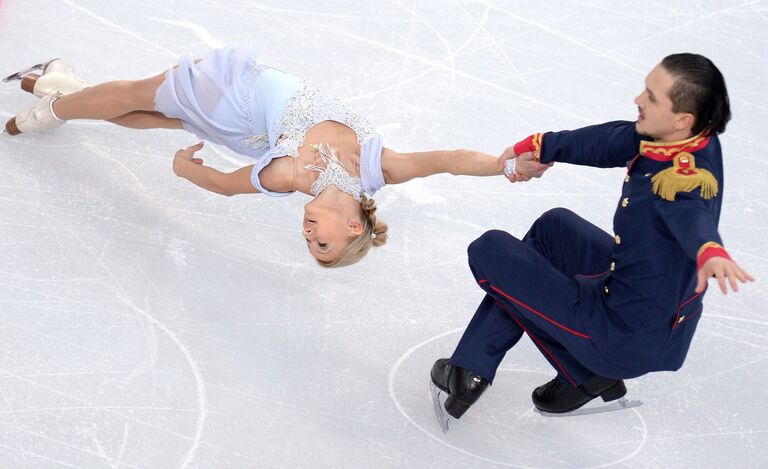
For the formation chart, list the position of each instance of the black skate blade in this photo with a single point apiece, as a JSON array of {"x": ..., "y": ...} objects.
[
  {"x": 619, "y": 404},
  {"x": 20, "y": 74},
  {"x": 442, "y": 416}
]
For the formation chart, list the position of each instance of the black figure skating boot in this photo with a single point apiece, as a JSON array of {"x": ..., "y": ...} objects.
[
  {"x": 56, "y": 77},
  {"x": 462, "y": 386},
  {"x": 38, "y": 117},
  {"x": 558, "y": 397}
]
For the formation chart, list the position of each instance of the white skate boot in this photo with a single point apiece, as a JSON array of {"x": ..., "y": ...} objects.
[
  {"x": 36, "y": 118},
  {"x": 57, "y": 77}
]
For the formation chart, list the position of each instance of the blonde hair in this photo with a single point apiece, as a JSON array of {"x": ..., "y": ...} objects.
[{"x": 359, "y": 247}]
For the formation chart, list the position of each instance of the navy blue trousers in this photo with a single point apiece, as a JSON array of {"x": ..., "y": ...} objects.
[{"x": 532, "y": 286}]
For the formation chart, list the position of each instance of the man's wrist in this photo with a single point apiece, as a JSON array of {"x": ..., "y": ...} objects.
[
  {"x": 532, "y": 144},
  {"x": 709, "y": 250}
]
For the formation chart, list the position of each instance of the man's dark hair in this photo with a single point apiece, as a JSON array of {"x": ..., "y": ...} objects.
[{"x": 699, "y": 89}]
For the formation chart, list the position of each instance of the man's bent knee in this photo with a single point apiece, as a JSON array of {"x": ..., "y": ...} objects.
[
  {"x": 490, "y": 241},
  {"x": 555, "y": 215}
]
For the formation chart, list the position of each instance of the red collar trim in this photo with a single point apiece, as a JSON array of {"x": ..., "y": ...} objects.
[{"x": 666, "y": 151}]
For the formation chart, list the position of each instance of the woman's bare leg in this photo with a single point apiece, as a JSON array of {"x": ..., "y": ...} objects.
[
  {"x": 110, "y": 100},
  {"x": 146, "y": 120}
]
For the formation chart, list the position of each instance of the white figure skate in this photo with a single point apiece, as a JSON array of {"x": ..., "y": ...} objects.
[
  {"x": 37, "y": 118},
  {"x": 56, "y": 77}
]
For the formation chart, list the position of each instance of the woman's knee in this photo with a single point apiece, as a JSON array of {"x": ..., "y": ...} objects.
[{"x": 142, "y": 92}]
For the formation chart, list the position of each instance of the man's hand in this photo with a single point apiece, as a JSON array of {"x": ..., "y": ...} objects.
[
  {"x": 185, "y": 157},
  {"x": 526, "y": 165},
  {"x": 722, "y": 268}
]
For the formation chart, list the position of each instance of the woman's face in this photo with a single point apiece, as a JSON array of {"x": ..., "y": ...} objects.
[{"x": 327, "y": 231}]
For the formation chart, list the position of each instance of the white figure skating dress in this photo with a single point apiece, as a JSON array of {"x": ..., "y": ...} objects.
[{"x": 258, "y": 111}]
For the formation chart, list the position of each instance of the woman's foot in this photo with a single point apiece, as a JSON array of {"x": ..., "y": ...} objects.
[
  {"x": 37, "y": 118},
  {"x": 57, "y": 77}
]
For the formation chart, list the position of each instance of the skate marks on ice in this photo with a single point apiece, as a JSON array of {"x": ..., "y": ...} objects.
[
  {"x": 202, "y": 33},
  {"x": 502, "y": 428},
  {"x": 115, "y": 373}
]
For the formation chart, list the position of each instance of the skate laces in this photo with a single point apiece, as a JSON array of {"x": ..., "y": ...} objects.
[{"x": 553, "y": 388}]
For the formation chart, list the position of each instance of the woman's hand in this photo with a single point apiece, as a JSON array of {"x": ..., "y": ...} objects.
[
  {"x": 526, "y": 165},
  {"x": 192, "y": 169},
  {"x": 185, "y": 157},
  {"x": 722, "y": 268}
]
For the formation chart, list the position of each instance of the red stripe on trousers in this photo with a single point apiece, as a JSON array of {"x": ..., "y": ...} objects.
[
  {"x": 540, "y": 345},
  {"x": 541, "y": 315}
]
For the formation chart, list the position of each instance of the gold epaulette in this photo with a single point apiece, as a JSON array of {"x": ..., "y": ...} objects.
[{"x": 684, "y": 176}]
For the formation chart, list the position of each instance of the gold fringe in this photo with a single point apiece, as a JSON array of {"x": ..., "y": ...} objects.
[{"x": 667, "y": 183}]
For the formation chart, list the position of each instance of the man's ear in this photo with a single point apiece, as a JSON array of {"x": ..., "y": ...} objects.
[{"x": 684, "y": 120}]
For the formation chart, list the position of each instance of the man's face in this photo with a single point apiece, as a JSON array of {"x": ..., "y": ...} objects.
[{"x": 654, "y": 105}]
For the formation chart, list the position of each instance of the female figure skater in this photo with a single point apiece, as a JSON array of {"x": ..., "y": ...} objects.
[{"x": 301, "y": 139}]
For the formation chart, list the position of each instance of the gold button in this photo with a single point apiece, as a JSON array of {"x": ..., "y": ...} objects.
[
  {"x": 625, "y": 202},
  {"x": 613, "y": 266},
  {"x": 626, "y": 178},
  {"x": 648, "y": 175},
  {"x": 617, "y": 239},
  {"x": 605, "y": 289}
]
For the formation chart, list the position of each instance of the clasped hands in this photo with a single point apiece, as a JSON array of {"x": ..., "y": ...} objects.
[{"x": 527, "y": 166}]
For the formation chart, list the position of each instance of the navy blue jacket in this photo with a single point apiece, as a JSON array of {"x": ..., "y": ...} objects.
[{"x": 644, "y": 308}]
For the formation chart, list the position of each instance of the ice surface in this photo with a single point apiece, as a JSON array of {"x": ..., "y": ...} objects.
[{"x": 147, "y": 323}]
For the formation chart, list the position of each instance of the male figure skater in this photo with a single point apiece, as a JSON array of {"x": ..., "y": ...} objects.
[{"x": 602, "y": 308}]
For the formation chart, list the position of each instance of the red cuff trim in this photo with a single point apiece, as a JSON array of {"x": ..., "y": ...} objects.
[
  {"x": 710, "y": 252},
  {"x": 524, "y": 146},
  {"x": 532, "y": 143}
]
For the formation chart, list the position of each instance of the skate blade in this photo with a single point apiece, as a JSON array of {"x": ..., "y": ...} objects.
[
  {"x": 442, "y": 416},
  {"x": 619, "y": 404},
  {"x": 20, "y": 74}
]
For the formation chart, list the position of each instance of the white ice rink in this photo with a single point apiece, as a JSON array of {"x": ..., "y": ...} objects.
[{"x": 147, "y": 323}]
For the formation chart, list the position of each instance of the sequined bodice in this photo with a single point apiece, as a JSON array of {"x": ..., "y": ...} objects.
[
  {"x": 287, "y": 128},
  {"x": 334, "y": 174},
  {"x": 305, "y": 109}
]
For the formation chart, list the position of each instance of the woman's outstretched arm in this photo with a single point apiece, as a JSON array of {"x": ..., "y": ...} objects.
[
  {"x": 402, "y": 167},
  {"x": 190, "y": 168}
]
